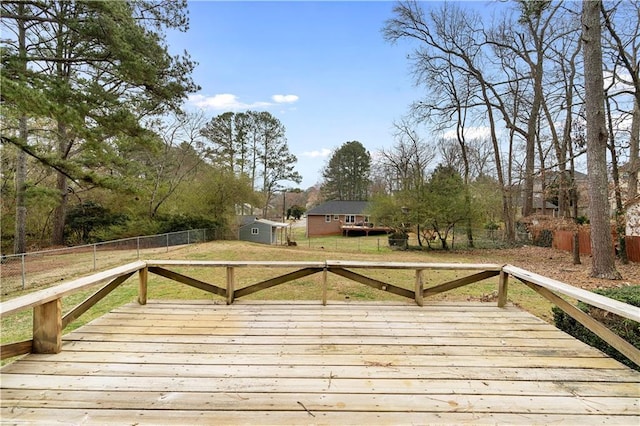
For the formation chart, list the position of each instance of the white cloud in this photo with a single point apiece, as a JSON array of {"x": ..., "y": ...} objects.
[
  {"x": 617, "y": 83},
  {"x": 231, "y": 102},
  {"x": 472, "y": 132},
  {"x": 322, "y": 153},
  {"x": 284, "y": 99}
]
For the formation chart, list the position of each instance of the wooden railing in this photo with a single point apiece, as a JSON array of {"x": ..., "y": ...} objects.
[{"x": 48, "y": 321}]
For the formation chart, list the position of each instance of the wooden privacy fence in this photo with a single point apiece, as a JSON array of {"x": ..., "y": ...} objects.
[
  {"x": 48, "y": 321},
  {"x": 563, "y": 240}
]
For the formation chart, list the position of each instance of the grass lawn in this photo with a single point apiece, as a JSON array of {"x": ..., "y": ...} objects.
[{"x": 18, "y": 327}]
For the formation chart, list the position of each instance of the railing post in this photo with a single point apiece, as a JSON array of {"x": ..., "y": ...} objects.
[
  {"x": 503, "y": 285},
  {"x": 143, "y": 276},
  {"x": 47, "y": 327},
  {"x": 324, "y": 286},
  {"x": 230, "y": 284},
  {"x": 419, "y": 288}
]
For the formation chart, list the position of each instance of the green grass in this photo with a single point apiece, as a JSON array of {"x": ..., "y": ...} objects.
[{"x": 18, "y": 327}]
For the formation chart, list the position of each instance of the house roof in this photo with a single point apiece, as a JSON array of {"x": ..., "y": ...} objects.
[
  {"x": 339, "y": 207},
  {"x": 244, "y": 220},
  {"x": 537, "y": 203},
  {"x": 270, "y": 223},
  {"x": 553, "y": 175},
  {"x": 273, "y": 223}
]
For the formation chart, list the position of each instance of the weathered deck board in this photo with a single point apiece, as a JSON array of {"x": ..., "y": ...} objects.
[{"x": 303, "y": 363}]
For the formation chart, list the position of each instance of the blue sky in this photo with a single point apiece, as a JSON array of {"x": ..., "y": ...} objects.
[{"x": 322, "y": 68}]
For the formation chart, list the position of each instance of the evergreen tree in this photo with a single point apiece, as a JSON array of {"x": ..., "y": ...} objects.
[
  {"x": 445, "y": 202},
  {"x": 346, "y": 176},
  {"x": 93, "y": 70}
]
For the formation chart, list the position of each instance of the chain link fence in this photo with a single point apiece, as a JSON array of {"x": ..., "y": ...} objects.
[
  {"x": 482, "y": 239},
  {"x": 42, "y": 268}
]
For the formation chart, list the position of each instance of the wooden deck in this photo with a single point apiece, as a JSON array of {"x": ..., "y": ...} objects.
[{"x": 177, "y": 362}]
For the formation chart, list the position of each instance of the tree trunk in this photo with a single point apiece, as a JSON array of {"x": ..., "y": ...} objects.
[
  {"x": 619, "y": 215},
  {"x": 20, "y": 235},
  {"x": 60, "y": 212},
  {"x": 574, "y": 196},
  {"x": 634, "y": 156},
  {"x": 603, "y": 259},
  {"x": 529, "y": 171},
  {"x": 509, "y": 225},
  {"x": 576, "y": 248}
]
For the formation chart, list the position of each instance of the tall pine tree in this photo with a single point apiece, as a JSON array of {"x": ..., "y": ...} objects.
[
  {"x": 88, "y": 73},
  {"x": 347, "y": 175}
]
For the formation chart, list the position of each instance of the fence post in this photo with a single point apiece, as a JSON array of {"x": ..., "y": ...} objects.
[
  {"x": 94, "y": 256},
  {"x": 138, "y": 247},
  {"x": 23, "y": 272},
  {"x": 167, "y": 242},
  {"x": 378, "y": 244},
  {"x": 188, "y": 237}
]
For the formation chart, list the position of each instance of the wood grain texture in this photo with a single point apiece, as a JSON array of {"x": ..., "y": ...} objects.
[
  {"x": 586, "y": 296},
  {"x": 188, "y": 362},
  {"x": 41, "y": 297},
  {"x": 47, "y": 327}
]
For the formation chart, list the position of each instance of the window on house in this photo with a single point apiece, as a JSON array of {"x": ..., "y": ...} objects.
[
  {"x": 336, "y": 217},
  {"x": 327, "y": 218},
  {"x": 255, "y": 231},
  {"x": 349, "y": 218}
]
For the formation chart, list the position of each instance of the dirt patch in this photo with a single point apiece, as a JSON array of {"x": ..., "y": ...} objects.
[{"x": 559, "y": 265}]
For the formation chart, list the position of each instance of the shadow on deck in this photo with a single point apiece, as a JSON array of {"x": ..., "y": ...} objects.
[{"x": 299, "y": 363}]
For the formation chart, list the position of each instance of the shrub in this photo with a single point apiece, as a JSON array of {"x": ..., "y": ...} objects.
[
  {"x": 543, "y": 238},
  {"x": 625, "y": 328},
  {"x": 86, "y": 218},
  {"x": 183, "y": 222},
  {"x": 399, "y": 240},
  {"x": 582, "y": 220}
]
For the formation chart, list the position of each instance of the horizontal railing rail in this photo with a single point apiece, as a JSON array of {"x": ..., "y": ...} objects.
[
  {"x": 48, "y": 321},
  {"x": 550, "y": 288}
]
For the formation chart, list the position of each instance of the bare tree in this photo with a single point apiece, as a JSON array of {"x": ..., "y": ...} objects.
[
  {"x": 409, "y": 158},
  {"x": 450, "y": 35},
  {"x": 603, "y": 260},
  {"x": 407, "y": 164},
  {"x": 183, "y": 150},
  {"x": 621, "y": 41}
]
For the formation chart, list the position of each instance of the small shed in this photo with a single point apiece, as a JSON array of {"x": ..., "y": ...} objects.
[{"x": 261, "y": 231}]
